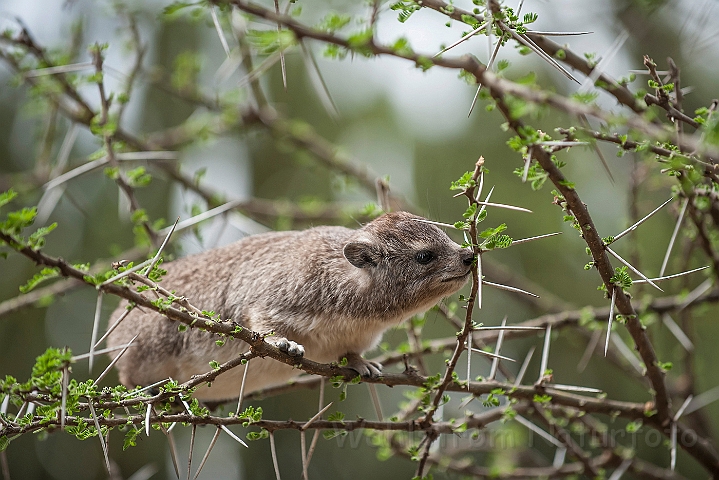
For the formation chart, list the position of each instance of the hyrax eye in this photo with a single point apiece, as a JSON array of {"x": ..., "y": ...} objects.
[{"x": 424, "y": 257}]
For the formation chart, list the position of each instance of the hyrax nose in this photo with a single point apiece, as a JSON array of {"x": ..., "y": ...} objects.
[{"x": 467, "y": 257}]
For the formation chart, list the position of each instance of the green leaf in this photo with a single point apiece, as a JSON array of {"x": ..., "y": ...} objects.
[
  {"x": 621, "y": 278},
  {"x": 336, "y": 417},
  {"x": 258, "y": 435},
  {"x": 530, "y": 17},
  {"x": 333, "y": 22},
  {"x": 7, "y": 197},
  {"x": 493, "y": 231},
  {"x": 18, "y": 220},
  {"x": 405, "y": 9},
  {"x": 464, "y": 182},
  {"x": 37, "y": 240},
  {"x": 138, "y": 177},
  {"x": 131, "y": 437},
  {"x": 44, "y": 274}
]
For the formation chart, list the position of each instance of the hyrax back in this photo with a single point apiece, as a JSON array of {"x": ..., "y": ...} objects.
[{"x": 330, "y": 289}]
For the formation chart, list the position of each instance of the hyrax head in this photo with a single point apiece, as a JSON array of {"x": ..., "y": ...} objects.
[{"x": 409, "y": 259}]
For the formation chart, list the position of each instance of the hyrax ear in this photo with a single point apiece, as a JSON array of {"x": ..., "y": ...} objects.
[{"x": 361, "y": 254}]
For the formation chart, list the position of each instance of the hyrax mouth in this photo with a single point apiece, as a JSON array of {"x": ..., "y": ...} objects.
[{"x": 458, "y": 277}]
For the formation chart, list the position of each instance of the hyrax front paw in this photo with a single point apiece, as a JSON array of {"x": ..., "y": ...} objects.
[
  {"x": 365, "y": 368},
  {"x": 288, "y": 346}
]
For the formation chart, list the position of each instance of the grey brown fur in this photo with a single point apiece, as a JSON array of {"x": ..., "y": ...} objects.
[{"x": 331, "y": 290}]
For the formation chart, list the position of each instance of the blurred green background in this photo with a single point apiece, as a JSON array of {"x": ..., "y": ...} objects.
[{"x": 404, "y": 123}]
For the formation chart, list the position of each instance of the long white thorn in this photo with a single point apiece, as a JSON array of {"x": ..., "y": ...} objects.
[
  {"x": 260, "y": 69},
  {"x": 375, "y": 401},
  {"x": 627, "y": 353},
  {"x": 493, "y": 355},
  {"x": 113, "y": 326},
  {"x": 674, "y": 237},
  {"x": 631, "y": 267},
  {"x": 486, "y": 199},
  {"x": 274, "y": 456},
  {"x": 474, "y": 100},
  {"x": 318, "y": 82},
  {"x": 684, "y": 406},
  {"x": 203, "y": 216},
  {"x": 621, "y": 469},
  {"x": 469, "y": 359},
  {"x": 572, "y": 388},
  {"x": 696, "y": 293},
  {"x": 480, "y": 280},
  {"x": 530, "y": 239},
  {"x": 676, "y": 275},
  {"x": 563, "y": 143},
  {"x": 316, "y": 416},
  {"x": 75, "y": 67},
  {"x": 115, "y": 360},
  {"x": 76, "y": 172},
  {"x": 509, "y": 289},
  {"x": 95, "y": 326},
  {"x": 525, "y": 365},
  {"x": 700, "y": 401},
  {"x": 63, "y": 402},
  {"x": 220, "y": 33},
  {"x": 611, "y": 317},
  {"x": 527, "y": 163},
  {"x": 461, "y": 40},
  {"x": 99, "y": 434},
  {"x": 545, "y": 353},
  {"x": 519, "y": 7},
  {"x": 82, "y": 356},
  {"x": 678, "y": 332},
  {"x": 480, "y": 187},
  {"x": 303, "y": 454},
  {"x": 173, "y": 448},
  {"x": 132, "y": 393},
  {"x": 510, "y": 327},
  {"x": 559, "y": 455},
  {"x": 207, "y": 453},
  {"x": 125, "y": 273},
  {"x": 242, "y": 387},
  {"x": 634, "y": 227},
  {"x": 148, "y": 412},
  {"x": 539, "y": 431},
  {"x": 282, "y": 53},
  {"x": 494, "y": 55},
  {"x": 604, "y": 62},
  {"x": 673, "y": 452},
  {"x": 234, "y": 437},
  {"x": 542, "y": 54},
  {"x": 495, "y": 362},
  {"x": 156, "y": 258},
  {"x": 557, "y": 34},
  {"x": 591, "y": 346},
  {"x": 144, "y": 473},
  {"x": 316, "y": 435},
  {"x": 192, "y": 448},
  {"x": 508, "y": 207}
]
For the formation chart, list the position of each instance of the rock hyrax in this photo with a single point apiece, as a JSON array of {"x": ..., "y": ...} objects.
[{"x": 326, "y": 292}]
